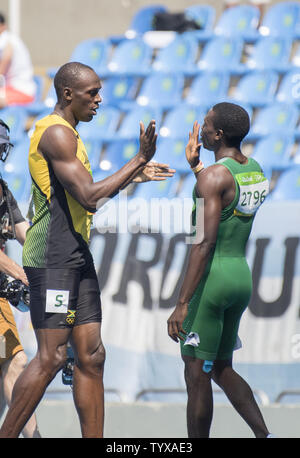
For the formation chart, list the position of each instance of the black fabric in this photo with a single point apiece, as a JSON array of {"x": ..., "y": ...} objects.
[{"x": 177, "y": 22}]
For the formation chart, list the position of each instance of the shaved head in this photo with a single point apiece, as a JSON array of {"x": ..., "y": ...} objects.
[{"x": 68, "y": 76}]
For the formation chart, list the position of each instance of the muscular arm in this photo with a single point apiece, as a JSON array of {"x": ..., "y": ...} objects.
[{"x": 59, "y": 145}]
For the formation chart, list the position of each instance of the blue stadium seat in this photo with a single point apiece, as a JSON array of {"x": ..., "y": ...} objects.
[
  {"x": 20, "y": 185},
  {"x": 208, "y": 89},
  {"x": 17, "y": 160},
  {"x": 185, "y": 190},
  {"x": 130, "y": 126},
  {"x": 155, "y": 189},
  {"x": 102, "y": 127},
  {"x": 289, "y": 88},
  {"x": 131, "y": 57},
  {"x": 275, "y": 118},
  {"x": 179, "y": 121},
  {"x": 35, "y": 107},
  {"x": 161, "y": 90},
  {"x": 178, "y": 56},
  {"x": 93, "y": 148},
  {"x": 222, "y": 54},
  {"x": 142, "y": 21},
  {"x": 274, "y": 151},
  {"x": 93, "y": 52},
  {"x": 257, "y": 88},
  {"x": 171, "y": 151},
  {"x": 239, "y": 21},
  {"x": 15, "y": 117},
  {"x": 117, "y": 153},
  {"x": 270, "y": 53},
  {"x": 204, "y": 15},
  {"x": 16, "y": 171},
  {"x": 287, "y": 186},
  {"x": 119, "y": 89},
  {"x": 282, "y": 19}
]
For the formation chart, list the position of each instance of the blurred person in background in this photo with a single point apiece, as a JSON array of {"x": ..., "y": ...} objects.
[
  {"x": 13, "y": 359},
  {"x": 17, "y": 86}
]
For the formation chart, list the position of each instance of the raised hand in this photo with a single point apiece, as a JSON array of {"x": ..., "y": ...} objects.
[
  {"x": 153, "y": 171},
  {"x": 147, "y": 141},
  {"x": 192, "y": 150}
]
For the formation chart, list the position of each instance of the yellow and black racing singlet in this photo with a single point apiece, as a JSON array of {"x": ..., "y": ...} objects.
[{"x": 59, "y": 235}]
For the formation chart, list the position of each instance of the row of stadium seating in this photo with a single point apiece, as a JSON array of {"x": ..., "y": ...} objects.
[{"x": 177, "y": 84}]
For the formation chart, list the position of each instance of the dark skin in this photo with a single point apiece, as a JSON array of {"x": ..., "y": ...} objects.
[
  {"x": 58, "y": 145},
  {"x": 217, "y": 187}
]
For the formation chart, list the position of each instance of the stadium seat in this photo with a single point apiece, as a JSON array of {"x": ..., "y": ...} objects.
[
  {"x": 274, "y": 151},
  {"x": 16, "y": 171},
  {"x": 204, "y": 15},
  {"x": 171, "y": 151},
  {"x": 15, "y": 117},
  {"x": 119, "y": 89},
  {"x": 275, "y": 118},
  {"x": 35, "y": 107},
  {"x": 208, "y": 89},
  {"x": 289, "y": 88},
  {"x": 257, "y": 88},
  {"x": 178, "y": 56},
  {"x": 282, "y": 19},
  {"x": 222, "y": 54},
  {"x": 93, "y": 52},
  {"x": 93, "y": 148},
  {"x": 185, "y": 190},
  {"x": 103, "y": 126},
  {"x": 131, "y": 57},
  {"x": 179, "y": 121},
  {"x": 270, "y": 53},
  {"x": 17, "y": 160},
  {"x": 239, "y": 21},
  {"x": 142, "y": 21},
  {"x": 117, "y": 153},
  {"x": 130, "y": 127},
  {"x": 161, "y": 90},
  {"x": 287, "y": 186},
  {"x": 155, "y": 189}
]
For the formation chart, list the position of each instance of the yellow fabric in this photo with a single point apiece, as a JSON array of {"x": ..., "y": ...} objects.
[
  {"x": 10, "y": 341},
  {"x": 39, "y": 171}
]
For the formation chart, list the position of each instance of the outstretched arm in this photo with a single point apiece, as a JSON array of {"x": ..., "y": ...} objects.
[{"x": 59, "y": 145}]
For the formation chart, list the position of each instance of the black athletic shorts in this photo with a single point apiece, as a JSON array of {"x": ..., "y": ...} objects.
[{"x": 63, "y": 298}]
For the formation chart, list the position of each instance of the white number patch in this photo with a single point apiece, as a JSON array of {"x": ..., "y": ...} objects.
[
  {"x": 57, "y": 301},
  {"x": 254, "y": 188}
]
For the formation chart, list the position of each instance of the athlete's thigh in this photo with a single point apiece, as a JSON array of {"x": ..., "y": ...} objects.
[{"x": 88, "y": 309}]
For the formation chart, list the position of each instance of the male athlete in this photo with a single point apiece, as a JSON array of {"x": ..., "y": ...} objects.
[
  {"x": 217, "y": 284},
  {"x": 64, "y": 292}
]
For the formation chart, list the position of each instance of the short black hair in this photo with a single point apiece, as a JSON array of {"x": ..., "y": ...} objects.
[
  {"x": 233, "y": 120},
  {"x": 67, "y": 75},
  {"x": 2, "y": 19}
]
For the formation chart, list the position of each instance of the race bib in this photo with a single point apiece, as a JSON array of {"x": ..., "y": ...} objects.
[
  {"x": 57, "y": 301},
  {"x": 254, "y": 188}
]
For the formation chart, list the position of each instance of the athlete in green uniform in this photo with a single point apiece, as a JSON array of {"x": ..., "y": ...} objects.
[{"x": 217, "y": 284}]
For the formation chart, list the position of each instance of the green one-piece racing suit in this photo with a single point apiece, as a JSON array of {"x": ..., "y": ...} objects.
[{"x": 224, "y": 291}]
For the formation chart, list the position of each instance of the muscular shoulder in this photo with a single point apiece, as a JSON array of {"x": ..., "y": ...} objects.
[
  {"x": 214, "y": 180},
  {"x": 58, "y": 140}
]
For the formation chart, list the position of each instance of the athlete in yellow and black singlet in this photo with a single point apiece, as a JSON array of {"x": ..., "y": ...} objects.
[{"x": 56, "y": 253}]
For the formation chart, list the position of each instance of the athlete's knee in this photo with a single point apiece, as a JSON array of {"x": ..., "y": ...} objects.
[
  {"x": 52, "y": 361},
  {"x": 218, "y": 370},
  {"x": 92, "y": 361},
  {"x": 197, "y": 371}
]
